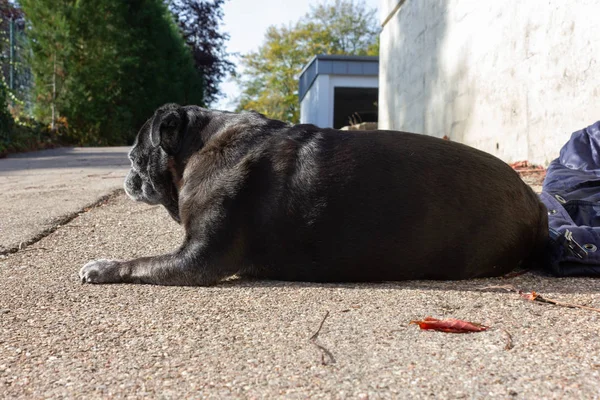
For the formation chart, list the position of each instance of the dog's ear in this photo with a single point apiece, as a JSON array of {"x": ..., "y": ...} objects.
[{"x": 167, "y": 130}]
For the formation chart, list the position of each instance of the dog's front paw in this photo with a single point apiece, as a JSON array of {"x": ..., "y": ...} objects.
[{"x": 101, "y": 271}]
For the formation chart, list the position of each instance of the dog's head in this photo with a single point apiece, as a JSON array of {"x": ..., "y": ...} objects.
[
  {"x": 168, "y": 139},
  {"x": 153, "y": 155}
]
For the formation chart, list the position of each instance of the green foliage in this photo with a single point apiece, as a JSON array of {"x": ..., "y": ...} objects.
[
  {"x": 6, "y": 120},
  {"x": 28, "y": 135},
  {"x": 348, "y": 27},
  {"x": 269, "y": 80},
  {"x": 106, "y": 65}
]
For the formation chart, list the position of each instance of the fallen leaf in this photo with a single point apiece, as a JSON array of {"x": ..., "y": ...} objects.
[
  {"x": 533, "y": 296},
  {"x": 529, "y": 296},
  {"x": 526, "y": 165},
  {"x": 451, "y": 325}
]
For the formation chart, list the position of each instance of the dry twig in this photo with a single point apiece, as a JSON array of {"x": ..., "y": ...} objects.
[
  {"x": 509, "y": 342},
  {"x": 35, "y": 249},
  {"x": 533, "y": 296},
  {"x": 324, "y": 351},
  {"x": 145, "y": 209},
  {"x": 508, "y": 288}
]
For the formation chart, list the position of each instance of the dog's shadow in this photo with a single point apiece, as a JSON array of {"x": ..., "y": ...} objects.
[{"x": 526, "y": 282}]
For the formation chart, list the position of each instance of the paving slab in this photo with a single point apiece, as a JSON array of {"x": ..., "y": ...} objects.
[
  {"x": 251, "y": 339},
  {"x": 40, "y": 189}
]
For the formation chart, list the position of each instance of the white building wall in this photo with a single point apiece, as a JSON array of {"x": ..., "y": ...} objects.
[
  {"x": 513, "y": 78},
  {"x": 317, "y": 105}
]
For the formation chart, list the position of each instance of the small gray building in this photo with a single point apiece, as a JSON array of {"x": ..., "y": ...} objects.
[{"x": 335, "y": 90}]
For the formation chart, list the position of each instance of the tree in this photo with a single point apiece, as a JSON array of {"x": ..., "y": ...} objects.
[
  {"x": 269, "y": 80},
  {"x": 9, "y": 14},
  {"x": 50, "y": 46},
  {"x": 105, "y": 65},
  {"x": 6, "y": 120},
  {"x": 199, "y": 22},
  {"x": 349, "y": 26}
]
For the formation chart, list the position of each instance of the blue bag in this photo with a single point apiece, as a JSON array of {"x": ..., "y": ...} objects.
[{"x": 571, "y": 192}]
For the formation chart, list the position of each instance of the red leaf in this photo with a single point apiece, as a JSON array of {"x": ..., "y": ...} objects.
[
  {"x": 530, "y": 296},
  {"x": 519, "y": 165},
  {"x": 449, "y": 325}
]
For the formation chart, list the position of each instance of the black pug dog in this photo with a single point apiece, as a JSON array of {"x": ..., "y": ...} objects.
[{"x": 259, "y": 197}]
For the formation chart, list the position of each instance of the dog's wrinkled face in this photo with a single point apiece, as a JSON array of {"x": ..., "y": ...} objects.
[
  {"x": 145, "y": 164},
  {"x": 150, "y": 180}
]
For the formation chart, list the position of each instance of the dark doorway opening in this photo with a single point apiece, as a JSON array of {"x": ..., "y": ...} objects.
[{"x": 354, "y": 105}]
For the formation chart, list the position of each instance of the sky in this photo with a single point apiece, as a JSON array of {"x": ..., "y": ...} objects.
[{"x": 246, "y": 21}]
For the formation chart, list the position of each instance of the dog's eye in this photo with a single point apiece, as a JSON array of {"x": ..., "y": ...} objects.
[{"x": 138, "y": 163}]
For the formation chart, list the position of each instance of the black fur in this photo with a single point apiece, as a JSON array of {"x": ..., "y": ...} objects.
[{"x": 262, "y": 198}]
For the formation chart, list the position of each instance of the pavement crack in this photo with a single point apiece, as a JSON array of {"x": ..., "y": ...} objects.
[{"x": 60, "y": 221}]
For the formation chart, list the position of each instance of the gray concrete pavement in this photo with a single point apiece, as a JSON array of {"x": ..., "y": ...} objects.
[
  {"x": 39, "y": 189},
  {"x": 251, "y": 339}
]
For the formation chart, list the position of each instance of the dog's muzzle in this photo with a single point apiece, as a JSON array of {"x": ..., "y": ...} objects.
[{"x": 140, "y": 190}]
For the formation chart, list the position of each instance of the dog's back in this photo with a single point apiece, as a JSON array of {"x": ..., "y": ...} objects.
[{"x": 361, "y": 206}]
